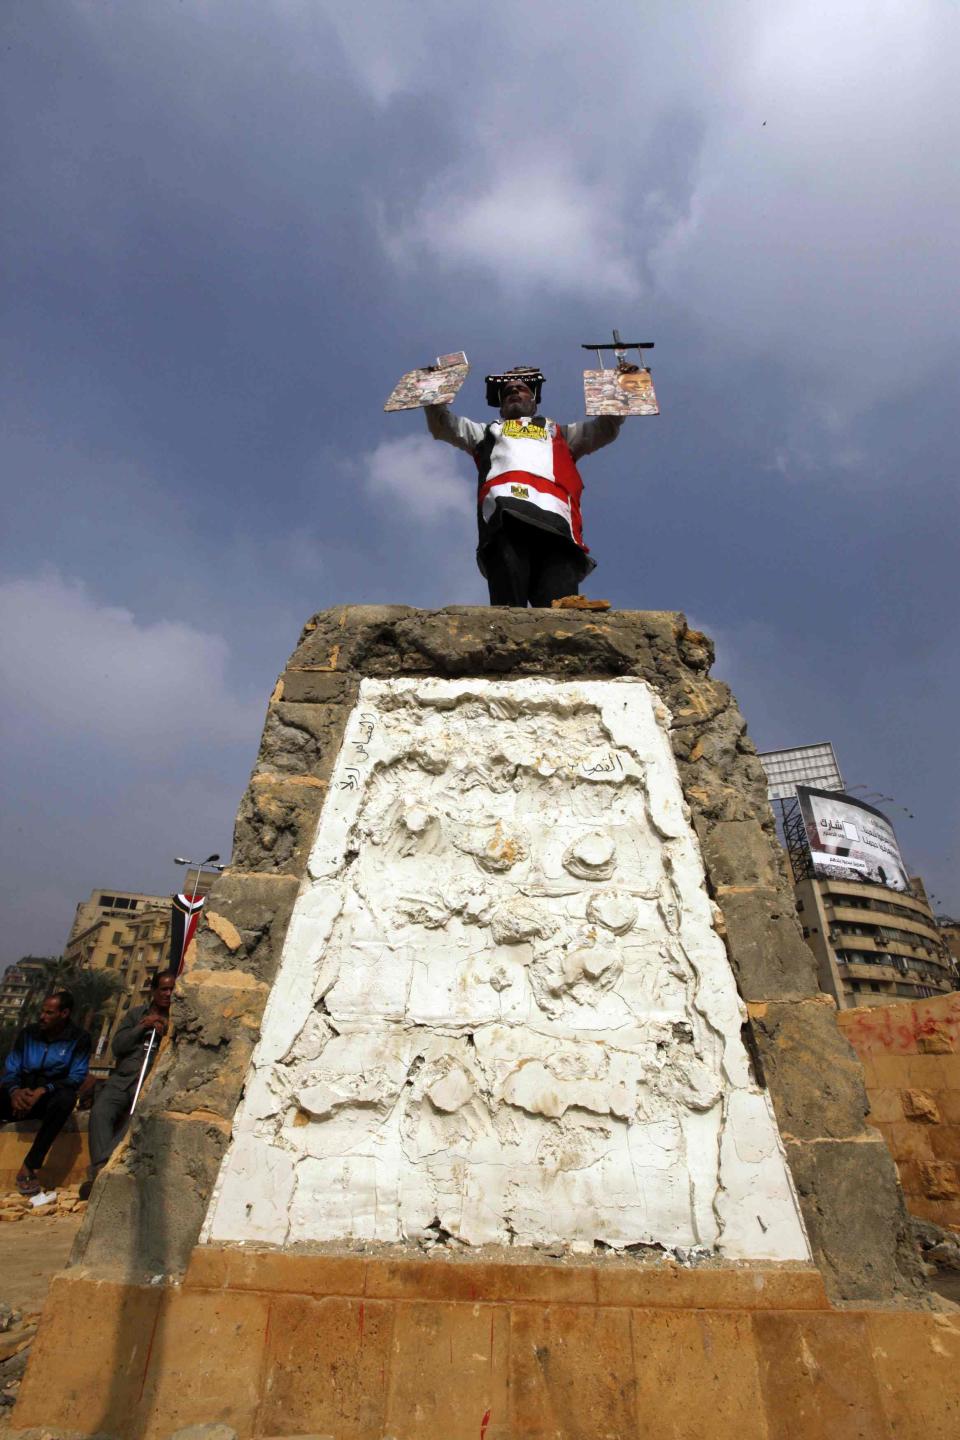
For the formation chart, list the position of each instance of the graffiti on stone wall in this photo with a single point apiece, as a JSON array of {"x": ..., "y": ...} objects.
[{"x": 917, "y": 1028}]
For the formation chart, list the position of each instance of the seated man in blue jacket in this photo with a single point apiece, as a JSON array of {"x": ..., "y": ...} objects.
[{"x": 43, "y": 1073}]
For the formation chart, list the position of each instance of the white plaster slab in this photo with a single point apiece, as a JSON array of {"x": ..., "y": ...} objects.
[{"x": 501, "y": 1008}]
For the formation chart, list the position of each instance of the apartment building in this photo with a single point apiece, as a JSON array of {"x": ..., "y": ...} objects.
[
  {"x": 19, "y": 984},
  {"x": 873, "y": 944}
]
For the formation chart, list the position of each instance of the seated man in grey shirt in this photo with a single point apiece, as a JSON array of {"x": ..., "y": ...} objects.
[{"x": 111, "y": 1108}]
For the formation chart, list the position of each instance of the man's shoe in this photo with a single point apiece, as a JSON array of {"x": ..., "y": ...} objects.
[
  {"x": 85, "y": 1187},
  {"x": 27, "y": 1182},
  {"x": 579, "y": 602}
]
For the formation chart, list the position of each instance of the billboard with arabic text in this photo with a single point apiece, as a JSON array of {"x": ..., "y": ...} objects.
[{"x": 850, "y": 840}]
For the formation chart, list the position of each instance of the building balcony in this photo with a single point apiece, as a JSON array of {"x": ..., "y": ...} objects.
[
  {"x": 913, "y": 954},
  {"x": 885, "y": 919},
  {"x": 876, "y": 895}
]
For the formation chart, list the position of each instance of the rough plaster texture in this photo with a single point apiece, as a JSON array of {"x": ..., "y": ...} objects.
[
  {"x": 502, "y": 1012},
  {"x": 844, "y": 1175}
]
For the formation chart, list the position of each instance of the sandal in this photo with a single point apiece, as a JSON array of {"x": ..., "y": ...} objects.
[{"x": 27, "y": 1183}]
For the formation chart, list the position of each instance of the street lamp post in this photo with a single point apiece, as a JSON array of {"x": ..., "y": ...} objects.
[
  {"x": 211, "y": 863},
  {"x": 189, "y": 919}
]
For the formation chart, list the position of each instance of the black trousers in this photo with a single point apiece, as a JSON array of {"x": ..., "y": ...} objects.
[
  {"x": 529, "y": 566},
  {"x": 52, "y": 1110}
]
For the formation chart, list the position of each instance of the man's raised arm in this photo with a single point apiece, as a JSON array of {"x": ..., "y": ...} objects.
[
  {"x": 444, "y": 425},
  {"x": 585, "y": 436}
]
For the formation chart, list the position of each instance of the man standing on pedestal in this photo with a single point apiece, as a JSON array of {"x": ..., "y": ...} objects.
[{"x": 531, "y": 547}]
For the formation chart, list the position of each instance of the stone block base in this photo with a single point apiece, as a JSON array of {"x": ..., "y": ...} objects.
[
  {"x": 66, "y": 1163},
  {"x": 362, "y": 1348}
]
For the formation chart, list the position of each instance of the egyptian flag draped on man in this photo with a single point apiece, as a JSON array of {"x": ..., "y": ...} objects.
[{"x": 526, "y": 466}]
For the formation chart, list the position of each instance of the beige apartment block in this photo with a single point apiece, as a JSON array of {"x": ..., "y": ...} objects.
[
  {"x": 950, "y": 934},
  {"x": 105, "y": 904},
  {"x": 18, "y": 983},
  {"x": 874, "y": 946}
]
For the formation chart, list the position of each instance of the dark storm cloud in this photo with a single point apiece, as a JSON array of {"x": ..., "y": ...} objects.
[{"x": 234, "y": 226}]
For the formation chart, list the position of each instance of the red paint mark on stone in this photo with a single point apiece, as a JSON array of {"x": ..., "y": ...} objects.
[
  {"x": 900, "y": 1032},
  {"x": 484, "y": 1423}
]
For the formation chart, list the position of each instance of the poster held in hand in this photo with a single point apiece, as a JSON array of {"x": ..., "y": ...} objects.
[
  {"x": 621, "y": 389},
  {"x": 432, "y": 385}
]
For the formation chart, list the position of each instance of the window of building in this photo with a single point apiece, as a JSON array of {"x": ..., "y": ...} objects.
[
  {"x": 107, "y": 900},
  {"x": 111, "y": 961},
  {"x": 117, "y": 936}
]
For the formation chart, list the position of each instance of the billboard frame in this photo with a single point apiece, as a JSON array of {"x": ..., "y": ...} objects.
[{"x": 818, "y": 778}]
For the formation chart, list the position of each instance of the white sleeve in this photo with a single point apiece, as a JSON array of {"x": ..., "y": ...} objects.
[
  {"x": 444, "y": 425},
  {"x": 588, "y": 435}
]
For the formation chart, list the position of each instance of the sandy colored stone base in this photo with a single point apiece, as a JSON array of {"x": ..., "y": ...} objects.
[
  {"x": 364, "y": 1348},
  {"x": 66, "y": 1163}
]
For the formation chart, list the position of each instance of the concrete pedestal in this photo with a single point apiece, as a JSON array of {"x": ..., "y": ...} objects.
[{"x": 343, "y": 1284}]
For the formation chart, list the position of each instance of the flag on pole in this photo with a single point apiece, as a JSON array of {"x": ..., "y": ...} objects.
[{"x": 183, "y": 926}]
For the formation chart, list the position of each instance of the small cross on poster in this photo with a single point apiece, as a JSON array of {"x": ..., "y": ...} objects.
[{"x": 623, "y": 388}]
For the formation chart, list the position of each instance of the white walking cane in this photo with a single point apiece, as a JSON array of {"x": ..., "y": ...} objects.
[{"x": 143, "y": 1069}]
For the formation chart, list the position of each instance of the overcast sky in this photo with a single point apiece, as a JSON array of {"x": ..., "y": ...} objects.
[{"x": 229, "y": 227}]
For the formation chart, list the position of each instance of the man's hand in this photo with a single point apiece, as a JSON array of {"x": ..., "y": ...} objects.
[
  {"x": 19, "y": 1102},
  {"x": 23, "y": 1101},
  {"x": 153, "y": 1020}
]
